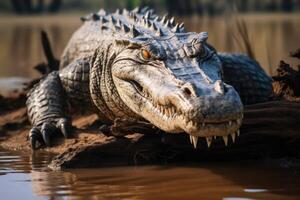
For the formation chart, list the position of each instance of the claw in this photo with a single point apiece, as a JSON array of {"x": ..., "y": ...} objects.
[
  {"x": 34, "y": 138},
  {"x": 46, "y": 138},
  {"x": 65, "y": 129},
  {"x": 47, "y": 129},
  {"x": 33, "y": 142}
]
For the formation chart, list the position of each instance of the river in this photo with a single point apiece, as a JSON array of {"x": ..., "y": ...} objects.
[{"x": 25, "y": 176}]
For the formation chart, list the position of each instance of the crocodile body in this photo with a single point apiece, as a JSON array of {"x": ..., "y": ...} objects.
[{"x": 136, "y": 65}]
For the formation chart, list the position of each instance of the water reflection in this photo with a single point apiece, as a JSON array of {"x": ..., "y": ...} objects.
[
  {"x": 27, "y": 174},
  {"x": 20, "y": 45},
  {"x": 272, "y": 37}
]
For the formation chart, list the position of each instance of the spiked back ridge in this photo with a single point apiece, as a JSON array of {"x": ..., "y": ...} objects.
[{"x": 138, "y": 22}]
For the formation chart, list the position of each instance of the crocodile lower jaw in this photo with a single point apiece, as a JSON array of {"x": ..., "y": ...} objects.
[{"x": 206, "y": 129}]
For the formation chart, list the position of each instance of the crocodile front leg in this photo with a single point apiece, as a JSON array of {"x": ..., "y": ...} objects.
[{"x": 47, "y": 111}]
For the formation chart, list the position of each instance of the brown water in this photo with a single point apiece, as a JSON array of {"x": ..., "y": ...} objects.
[
  {"x": 25, "y": 176},
  {"x": 272, "y": 38}
]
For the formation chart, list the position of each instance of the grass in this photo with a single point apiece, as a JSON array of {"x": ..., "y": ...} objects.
[{"x": 240, "y": 33}]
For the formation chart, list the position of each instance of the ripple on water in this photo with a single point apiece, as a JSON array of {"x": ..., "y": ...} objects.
[{"x": 28, "y": 174}]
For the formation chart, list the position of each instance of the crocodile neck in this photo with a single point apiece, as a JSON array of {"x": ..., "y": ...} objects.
[{"x": 103, "y": 91}]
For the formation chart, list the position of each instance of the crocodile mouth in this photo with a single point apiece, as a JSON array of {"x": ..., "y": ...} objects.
[
  {"x": 178, "y": 121},
  {"x": 212, "y": 129}
]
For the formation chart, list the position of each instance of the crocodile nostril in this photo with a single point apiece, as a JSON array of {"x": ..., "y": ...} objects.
[{"x": 187, "y": 91}]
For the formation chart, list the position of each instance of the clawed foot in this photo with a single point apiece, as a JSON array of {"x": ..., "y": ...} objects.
[{"x": 40, "y": 136}]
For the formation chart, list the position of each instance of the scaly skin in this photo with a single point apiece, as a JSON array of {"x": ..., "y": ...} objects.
[{"x": 137, "y": 66}]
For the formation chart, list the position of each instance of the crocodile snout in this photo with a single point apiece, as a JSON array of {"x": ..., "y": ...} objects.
[{"x": 212, "y": 102}]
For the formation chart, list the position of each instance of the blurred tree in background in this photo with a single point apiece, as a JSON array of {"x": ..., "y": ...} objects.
[
  {"x": 34, "y": 7},
  {"x": 174, "y": 7}
]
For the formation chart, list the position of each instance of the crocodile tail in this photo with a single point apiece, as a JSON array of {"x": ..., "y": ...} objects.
[{"x": 247, "y": 77}]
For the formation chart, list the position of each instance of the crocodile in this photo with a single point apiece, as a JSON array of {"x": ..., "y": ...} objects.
[{"x": 136, "y": 65}]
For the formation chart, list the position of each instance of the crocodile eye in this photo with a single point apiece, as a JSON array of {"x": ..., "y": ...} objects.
[{"x": 146, "y": 54}]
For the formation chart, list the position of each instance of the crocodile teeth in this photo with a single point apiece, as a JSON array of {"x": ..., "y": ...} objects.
[
  {"x": 173, "y": 110},
  {"x": 203, "y": 124},
  {"x": 194, "y": 140},
  {"x": 225, "y": 138},
  {"x": 208, "y": 141},
  {"x": 170, "y": 111},
  {"x": 238, "y": 132},
  {"x": 233, "y": 137},
  {"x": 230, "y": 122},
  {"x": 162, "y": 110}
]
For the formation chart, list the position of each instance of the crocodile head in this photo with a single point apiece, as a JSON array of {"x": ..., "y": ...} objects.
[{"x": 176, "y": 83}]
